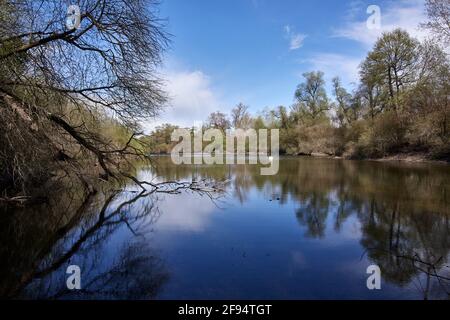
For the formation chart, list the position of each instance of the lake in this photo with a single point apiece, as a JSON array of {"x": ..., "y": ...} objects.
[{"x": 309, "y": 232}]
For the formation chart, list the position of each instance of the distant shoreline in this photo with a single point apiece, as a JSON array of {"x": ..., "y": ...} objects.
[{"x": 399, "y": 157}]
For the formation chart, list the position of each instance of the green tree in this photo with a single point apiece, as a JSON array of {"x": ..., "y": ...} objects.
[
  {"x": 160, "y": 139},
  {"x": 390, "y": 68},
  {"x": 347, "y": 106},
  {"x": 311, "y": 97}
]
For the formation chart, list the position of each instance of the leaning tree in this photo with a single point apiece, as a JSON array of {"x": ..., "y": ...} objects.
[{"x": 63, "y": 70}]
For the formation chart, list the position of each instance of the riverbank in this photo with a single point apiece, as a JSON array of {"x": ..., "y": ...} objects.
[
  {"x": 410, "y": 158},
  {"x": 400, "y": 157}
]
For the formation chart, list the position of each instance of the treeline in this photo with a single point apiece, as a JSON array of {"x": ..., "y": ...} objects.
[{"x": 401, "y": 105}]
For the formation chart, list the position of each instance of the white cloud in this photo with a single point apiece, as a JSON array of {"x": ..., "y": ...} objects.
[
  {"x": 295, "y": 39},
  {"x": 191, "y": 99},
  {"x": 404, "y": 14},
  {"x": 193, "y": 216},
  {"x": 335, "y": 65}
]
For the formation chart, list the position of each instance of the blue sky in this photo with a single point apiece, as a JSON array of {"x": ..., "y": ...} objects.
[{"x": 254, "y": 51}]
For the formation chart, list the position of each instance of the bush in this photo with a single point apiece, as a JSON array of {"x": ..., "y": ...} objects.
[{"x": 316, "y": 138}]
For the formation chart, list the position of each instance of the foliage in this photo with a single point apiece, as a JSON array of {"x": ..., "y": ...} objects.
[{"x": 159, "y": 141}]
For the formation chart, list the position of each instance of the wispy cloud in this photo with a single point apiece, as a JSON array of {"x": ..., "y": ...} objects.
[
  {"x": 354, "y": 9},
  {"x": 404, "y": 14},
  {"x": 256, "y": 3},
  {"x": 333, "y": 65},
  {"x": 295, "y": 39}
]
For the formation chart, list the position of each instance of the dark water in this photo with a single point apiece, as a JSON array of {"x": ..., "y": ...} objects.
[{"x": 309, "y": 232}]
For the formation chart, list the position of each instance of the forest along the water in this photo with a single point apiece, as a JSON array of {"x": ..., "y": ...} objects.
[
  {"x": 75, "y": 170},
  {"x": 319, "y": 223}
]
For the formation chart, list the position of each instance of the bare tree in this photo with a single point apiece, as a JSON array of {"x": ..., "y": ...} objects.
[
  {"x": 218, "y": 120},
  {"x": 240, "y": 117},
  {"x": 59, "y": 81},
  {"x": 438, "y": 12}
]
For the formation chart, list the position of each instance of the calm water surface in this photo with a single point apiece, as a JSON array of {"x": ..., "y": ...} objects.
[{"x": 309, "y": 232}]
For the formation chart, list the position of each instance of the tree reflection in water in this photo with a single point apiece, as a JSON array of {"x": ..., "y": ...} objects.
[
  {"x": 403, "y": 209},
  {"x": 74, "y": 229},
  {"x": 402, "y": 213},
  {"x": 41, "y": 244},
  {"x": 406, "y": 243}
]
